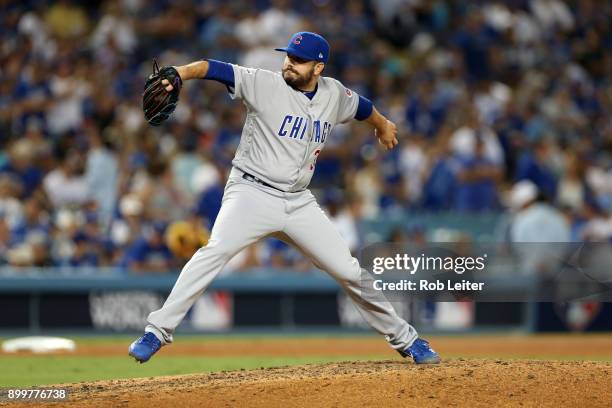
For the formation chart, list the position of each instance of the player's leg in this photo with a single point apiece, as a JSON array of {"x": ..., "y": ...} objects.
[
  {"x": 247, "y": 214},
  {"x": 310, "y": 230}
]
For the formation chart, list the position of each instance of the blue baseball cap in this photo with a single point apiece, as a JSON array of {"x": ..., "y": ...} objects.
[{"x": 308, "y": 46}]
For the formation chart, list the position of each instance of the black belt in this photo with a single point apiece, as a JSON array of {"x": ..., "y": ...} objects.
[{"x": 250, "y": 177}]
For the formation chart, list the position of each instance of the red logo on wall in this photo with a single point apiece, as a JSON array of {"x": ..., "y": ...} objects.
[{"x": 578, "y": 315}]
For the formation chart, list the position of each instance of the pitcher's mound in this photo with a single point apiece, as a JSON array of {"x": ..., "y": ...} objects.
[{"x": 456, "y": 382}]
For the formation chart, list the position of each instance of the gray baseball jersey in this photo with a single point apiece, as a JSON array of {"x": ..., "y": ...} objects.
[
  {"x": 283, "y": 134},
  {"x": 284, "y": 130}
]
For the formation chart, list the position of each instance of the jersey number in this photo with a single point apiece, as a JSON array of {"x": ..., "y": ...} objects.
[{"x": 314, "y": 163}]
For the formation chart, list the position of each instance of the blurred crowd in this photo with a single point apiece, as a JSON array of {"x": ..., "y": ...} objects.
[{"x": 502, "y": 106}]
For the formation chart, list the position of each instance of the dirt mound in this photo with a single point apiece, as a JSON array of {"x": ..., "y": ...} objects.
[{"x": 456, "y": 382}]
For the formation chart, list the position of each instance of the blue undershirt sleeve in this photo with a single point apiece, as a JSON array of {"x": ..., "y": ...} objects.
[
  {"x": 221, "y": 72},
  {"x": 364, "y": 109}
]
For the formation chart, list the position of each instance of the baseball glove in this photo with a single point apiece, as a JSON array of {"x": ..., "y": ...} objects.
[
  {"x": 184, "y": 238},
  {"x": 157, "y": 103}
]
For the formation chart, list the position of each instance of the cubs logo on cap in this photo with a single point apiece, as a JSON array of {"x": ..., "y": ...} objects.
[{"x": 308, "y": 46}]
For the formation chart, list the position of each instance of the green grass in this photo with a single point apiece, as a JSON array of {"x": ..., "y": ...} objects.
[
  {"x": 26, "y": 370},
  {"x": 30, "y": 370}
]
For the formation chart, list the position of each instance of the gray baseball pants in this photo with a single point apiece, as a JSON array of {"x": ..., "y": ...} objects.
[{"x": 251, "y": 211}]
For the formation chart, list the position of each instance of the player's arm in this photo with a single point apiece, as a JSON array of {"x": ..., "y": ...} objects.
[
  {"x": 195, "y": 70},
  {"x": 362, "y": 109},
  {"x": 384, "y": 129},
  {"x": 205, "y": 69}
]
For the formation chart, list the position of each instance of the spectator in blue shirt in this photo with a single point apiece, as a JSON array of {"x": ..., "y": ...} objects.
[
  {"x": 534, "y": 166},
  {"x": 35, "y": 220},
  {"x": 439, "y": 187},
  {"x": 32, "y": 95},
  {"x": 209, "y": 202},
  {"x": 21, "y": 166},
  {"x": 84, "y": 253},
  {"x": 475, "y": 40},
  {"x": 149, "y": 254},
  {"x": 477, "y": 179},
  {"x": 424, "y": 113}
]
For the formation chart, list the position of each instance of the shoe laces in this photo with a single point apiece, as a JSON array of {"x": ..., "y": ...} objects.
[
  {"x": 150, "y": 339},
  {"x": 420, "y": 346}
]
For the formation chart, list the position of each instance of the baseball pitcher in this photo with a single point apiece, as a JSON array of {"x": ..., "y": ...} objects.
[{"x": 289, "y": 117}]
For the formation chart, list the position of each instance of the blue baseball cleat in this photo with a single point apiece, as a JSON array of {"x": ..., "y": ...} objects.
[
  {"x": 144, "y": 348},
  {"x": 421, "y": 353}
]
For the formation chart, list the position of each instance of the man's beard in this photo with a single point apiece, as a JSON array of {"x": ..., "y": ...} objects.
[{"x": 298, "y": 82}]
